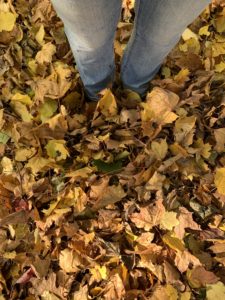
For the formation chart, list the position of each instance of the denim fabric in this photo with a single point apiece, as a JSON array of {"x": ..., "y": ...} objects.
[{"x": 90, "y": 26}]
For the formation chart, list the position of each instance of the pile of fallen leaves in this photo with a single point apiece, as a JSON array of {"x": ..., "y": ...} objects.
[{"x": 124, "y": 201}]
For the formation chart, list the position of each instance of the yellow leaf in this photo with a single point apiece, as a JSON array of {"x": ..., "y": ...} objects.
[
  {"x": 107, "y": 104},
  {"x": 32, "y": 65},
  {"x": 204, "y": 30},
  {"x": 9, "y": 255},
  {"x": 220, "y": 67},
  {"x": 220, "y": 180},
  {"x": 7, "y": 165},
  {"x": 47, "y": 109},
  {"x": 56, "y": 149},
  {"x": 188, "y": 34},
  {"x": 40, "y": 35},
  {"x": 46, "y": 53},
  {"x": 173, "y": 242},
  {"x": 83, "y": 173},
  {"x": 24, "y": 154},
  {"x": 220, "y": 139},
  {"x": 25, "y": 99},
  {"x": 21, "y": 110},
  {"x": 220, "y": 23},
  {"x": 37, "y": 163},
  {"x": 215, "y": 291},
  {"x": 185, "y": 296},
  {"x": 160, "y": 149},
  {"x": 7, "y": 21},
  {"x": 46, "y": 295},
  {"x": 2, "y": 121},
  {"x": 169, "y": 220},
  {"x": 182, "y": 76}
]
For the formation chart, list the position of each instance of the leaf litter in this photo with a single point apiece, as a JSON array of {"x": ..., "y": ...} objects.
[{"x": 123, "y": 199}]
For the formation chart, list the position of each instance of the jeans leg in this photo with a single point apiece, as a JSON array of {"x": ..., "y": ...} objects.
[
  {"x": 158, "y": 27},
  {"x": 90, "y": 27}
]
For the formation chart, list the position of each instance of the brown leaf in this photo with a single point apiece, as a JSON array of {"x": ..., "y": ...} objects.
[
  {"x": 149, "y": 216},
  {"x": 199, "y": 277}
]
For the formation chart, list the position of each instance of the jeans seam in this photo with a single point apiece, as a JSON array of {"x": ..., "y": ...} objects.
[{"x": 133, "y": 38}]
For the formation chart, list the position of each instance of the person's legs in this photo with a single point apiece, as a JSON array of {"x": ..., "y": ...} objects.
[
  {"x": 90, "y": 27},
  {"x": 158, "y": 27}
]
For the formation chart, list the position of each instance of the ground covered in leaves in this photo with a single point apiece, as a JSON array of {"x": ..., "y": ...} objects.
[{"x": 122, "y": 201}]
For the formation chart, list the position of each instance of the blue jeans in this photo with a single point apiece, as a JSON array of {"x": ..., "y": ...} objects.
[{"x": 90, "y": 27}]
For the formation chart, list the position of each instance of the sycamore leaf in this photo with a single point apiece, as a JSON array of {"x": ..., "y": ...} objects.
[
  {"x": 107, "y": 104},
  {"x": 46, "y": 53},
  {"x": 220, "y": 67},
  {"x": 204, "y": 30},
  {"x": 7, "y": 165},
  {"x": 37, "y": 163},
  {"x": 23, "y": 154},
  {"x": 215, "y": 291},
  {"x": 220, "y": 23},
  {"x": 169, "y": 220},
  {"x": 220, "y": 139},
  {"x": 21, "y": 110},
  {"x": 83, "y": 173},
  {"x": 81, "y": 294},
  {"x": 188, "y": 34},
  {"x": 167, "y": 292},
  {"x": 159, "y": 105},
  {"x": 160, "y": 149},
  {"x": 69, "y": 260},
  {"x": 199, "y": 277},
  {"x": 110, "y": 195},
  {"x": 173, "y": 242},
  {"x": 47, "y": 109},
  {"x": 25, "y": 99},
  {"x": 148, "y": 217},
  {"x": 220, "y": 180},
  {"x": 7, "y": 21},
  {"x": 56, "y": 149}
]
